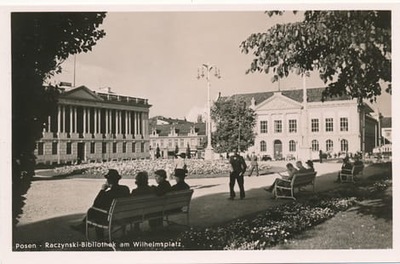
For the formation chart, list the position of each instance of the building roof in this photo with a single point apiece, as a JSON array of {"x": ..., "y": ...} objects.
[
  {"x": 313, "y": 95},
  {"x": 84, "y": 93},
  {"x": 386, "y": 122},
  {"x": 182, "y": 129}
]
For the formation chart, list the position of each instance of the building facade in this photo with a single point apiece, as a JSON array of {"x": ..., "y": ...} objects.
[
  {"x": 171, "y": 136},
  {"x": 95, "y": 126},
  {"x": 290, "y": 127}
]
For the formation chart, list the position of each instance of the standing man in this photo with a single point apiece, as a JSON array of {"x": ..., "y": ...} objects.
[
  {"x": 238, "y": 169},
  {"x": 253, "y": 164}
]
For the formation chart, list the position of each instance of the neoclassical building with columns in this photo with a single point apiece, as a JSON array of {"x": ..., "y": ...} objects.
[
  {"x": 297, "y": 124},
  {"x": 95, "y": 126}
]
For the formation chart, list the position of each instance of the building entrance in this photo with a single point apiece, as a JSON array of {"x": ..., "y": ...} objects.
[
  {"x": 277, "y": 149},
  {"x": 81, "y": 152}
]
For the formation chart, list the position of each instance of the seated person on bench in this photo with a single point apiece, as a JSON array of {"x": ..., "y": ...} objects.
[
  {"x": 180, "y": 185},
  {"x": 109, "y": 191},
  {"x": 346, "y": 165},
  {"x": 291, "y": 170}
]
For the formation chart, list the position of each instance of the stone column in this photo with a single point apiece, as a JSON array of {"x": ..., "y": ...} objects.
[
  {"x": 70, "y": 119},
  {"x": 126, "y": 123},
  {"x": 84, "y": 120},
  {"x": 89, "y": 119},
  {"x": 49, "y": 123},
  {"x": 75, "y": 119},
  {"x": 58, "y": 119}
]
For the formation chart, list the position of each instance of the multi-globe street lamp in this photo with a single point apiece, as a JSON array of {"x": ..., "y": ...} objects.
[{"x": 205, "y": 73}]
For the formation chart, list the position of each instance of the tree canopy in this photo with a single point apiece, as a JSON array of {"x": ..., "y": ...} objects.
[
  {"x": 234, "y": 125},
  {"x": 351, "y": 50},
  {"x": 40, "y": 42}
]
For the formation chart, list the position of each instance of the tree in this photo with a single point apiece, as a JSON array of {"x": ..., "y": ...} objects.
[
  {"x": 351, "y": 50},
  {"x": 158, "y": 154},
  {"x": 40, "y": 43},
  {"x": 188, "y": 152},
  {"x": 234, "y": 125}
]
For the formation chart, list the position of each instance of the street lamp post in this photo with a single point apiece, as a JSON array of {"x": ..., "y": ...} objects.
[{"x": 207, "y": 67}]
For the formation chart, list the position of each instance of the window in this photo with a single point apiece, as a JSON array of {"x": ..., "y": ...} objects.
[
  {"x": 344, "y": 124},
  {"x": 103, "y": 147},
  {"x": 134, "y": 147},
  {"x": 263, "y": 146},
  {"x": 314, "y": 125},
  {"x": 182, "y": 142},
  {"x": 344, "y": 145},
  {"x": 54, "y": 147},
  {"x": 161, "y": 143},
  {"x": 169, "y": 143},
  {"x": 176, "y": 142},
  {"x": 292, "y": 145},
  {"x": 263, "y": 127},
  {"x": 114, "y": 146},
  {"x": 142, "y": 147},
  {"x": 123, "y": 147},
  {"x": 40, "y": 148},
  {"x": 92, "y": 147},
  {"x": 329, "y": 124},
  {"x": 292, "y": 125},
  {"x": 69, "y": 144},
  {"x": 329, "y": 145},
  {"x": 278, "y": 126},
  {"x": 315, "y": 145}
]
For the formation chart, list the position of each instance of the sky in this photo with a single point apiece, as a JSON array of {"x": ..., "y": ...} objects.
[{"x": 157, "y": 55}]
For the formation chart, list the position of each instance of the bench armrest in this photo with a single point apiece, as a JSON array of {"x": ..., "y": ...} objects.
[
  {"x": 282, "y": 180},
  {"x": 100, "y": 210}
]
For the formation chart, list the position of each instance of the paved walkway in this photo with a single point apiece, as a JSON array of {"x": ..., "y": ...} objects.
[{"x": 53, "y": 205}]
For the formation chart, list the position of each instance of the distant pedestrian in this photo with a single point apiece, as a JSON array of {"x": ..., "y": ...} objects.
[
  {"x": 253, "y": 164},
  {"x": 238, "y": 169},
  {"x": 320, "y": 156}
]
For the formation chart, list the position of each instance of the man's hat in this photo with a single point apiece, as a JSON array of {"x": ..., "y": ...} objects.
[
  {"x": 112, "y": 175},
  {"x": 161, "y": 173}
]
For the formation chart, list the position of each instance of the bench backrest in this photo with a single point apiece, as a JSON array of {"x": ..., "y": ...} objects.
[
  {"x": 303, "y": 178},
  {"x": 357, "y": 169},
  {"x": 140, "y": 206}
]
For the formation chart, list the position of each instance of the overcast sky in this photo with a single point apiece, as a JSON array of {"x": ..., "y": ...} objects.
[{"x": 156, "y": 55}]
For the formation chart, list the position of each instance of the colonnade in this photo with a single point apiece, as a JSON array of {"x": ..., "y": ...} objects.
[{"x": 91, "y": 120}]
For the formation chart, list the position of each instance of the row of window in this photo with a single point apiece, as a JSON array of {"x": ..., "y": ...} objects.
[
  {"x": 176, "y": 142},
  {"x": 54, "y": 147},
  {"x": 344, "y": 145},
  {"x": 315, "y": 125}
]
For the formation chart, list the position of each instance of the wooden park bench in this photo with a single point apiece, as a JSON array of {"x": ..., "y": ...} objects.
[
  {"x": 284, "y": 188},
  {"x": 137, "y": 209},
  {"x": 348, "y": 175}
]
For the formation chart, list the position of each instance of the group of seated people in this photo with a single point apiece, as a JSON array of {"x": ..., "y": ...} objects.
[
  {"x": 112, "y": 190},
  {"x": 348, "y": 165},
  {"x": 291, "y": 171}
]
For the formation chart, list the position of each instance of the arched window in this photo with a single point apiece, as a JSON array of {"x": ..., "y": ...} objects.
[
  {"x": 292, "y": 146},
  {"x": 315, "y": 145},
  {"x": 344, "y": 145},
  {"x": 263, "y": 146},
  {"x": 329, "y": 145}
]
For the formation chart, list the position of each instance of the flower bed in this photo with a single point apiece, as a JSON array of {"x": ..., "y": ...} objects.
[
  {"x": 277, "y": 224},
  {"x": 131, "y": 168}
]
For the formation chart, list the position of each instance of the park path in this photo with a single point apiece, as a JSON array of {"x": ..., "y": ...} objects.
[{"x": 53, "y": 205}]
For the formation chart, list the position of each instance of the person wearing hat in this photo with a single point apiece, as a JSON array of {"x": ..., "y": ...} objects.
[
  {"x": 143, "y": 188},
  {"x": 108, "y": 192},
  {"x": 346, "y": 165},
  {"x": 142, "y": 183},
  {"x": 163, "y": 186},
  {"x": 180, "y": 185}
]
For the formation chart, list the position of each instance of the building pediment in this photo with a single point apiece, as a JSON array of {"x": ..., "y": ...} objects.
[
  {"x": 81, "y": 93},
  {"x": 278, "y": 102}
]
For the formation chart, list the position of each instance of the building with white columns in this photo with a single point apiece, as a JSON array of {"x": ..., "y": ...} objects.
[
  {"x": 95, "y": 126},
  {"x": 290, "y": 127}
]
